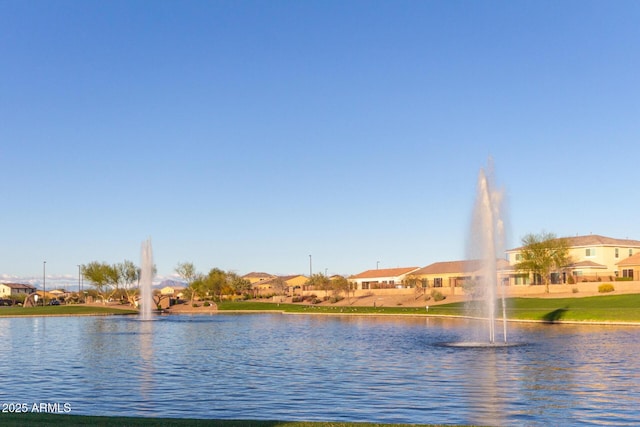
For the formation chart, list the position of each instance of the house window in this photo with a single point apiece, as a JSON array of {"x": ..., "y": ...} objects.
[
  {"x": 630, "y": 252},
  {"x": 518, "y": 257},
  {"x": 437, "y": 282},
  {"x": 590, "y": 252},
  {"x": 627, "y": 273},
  {"x": 617, "y": 253}
]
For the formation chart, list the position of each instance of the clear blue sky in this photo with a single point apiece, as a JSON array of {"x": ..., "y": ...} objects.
[{"x": 247, "y": 135}]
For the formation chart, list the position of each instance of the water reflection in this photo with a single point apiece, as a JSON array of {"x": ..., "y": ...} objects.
[
  {"x": 323, "y": 368},
  {"x": 146, "y": 369}
]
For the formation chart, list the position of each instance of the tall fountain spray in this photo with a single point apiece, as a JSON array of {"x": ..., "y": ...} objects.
[
  {"x": 487, "y": 245},
  {"x": 146, "y": 277}
]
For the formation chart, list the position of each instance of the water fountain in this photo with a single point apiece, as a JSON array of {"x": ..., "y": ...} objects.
[
  {"x": 487, "y": 245},
  {"x": 146, "y": 277}
]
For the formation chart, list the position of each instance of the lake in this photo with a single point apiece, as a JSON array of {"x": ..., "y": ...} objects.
[{"x": 321, "y": 368}]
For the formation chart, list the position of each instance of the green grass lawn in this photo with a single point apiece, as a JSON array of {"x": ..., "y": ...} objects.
[
  {"x": 311, "y": 308},
  {"x": 41, "y": 420},
  {"x": 606, "y": 308},
  {"x": 68, "y": 310}
]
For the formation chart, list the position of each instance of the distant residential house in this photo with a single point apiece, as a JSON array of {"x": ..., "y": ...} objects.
[
  {"x": 13, "y": 289},
  {"x": 172, "y": 291},
  {"x": 255, "y": 277},
  {"x": 295, "y": 281},
  {"x": 278, "y": 284},
  {"x": 59, "y": 294},
  {"x": 629, "y": 268},
  {"x": 382, "y": 278},
  {"x": 451, "y": 274},
  {"x": 594, "y": 257}
]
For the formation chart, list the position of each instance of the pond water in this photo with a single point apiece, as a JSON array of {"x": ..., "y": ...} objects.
[{"x": 321, "y": 368}]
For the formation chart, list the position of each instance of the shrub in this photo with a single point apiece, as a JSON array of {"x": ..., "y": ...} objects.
[
  {"x": 194, "y": 305},
  {"x": 437, "y": 295},
  {"x": 316, "y": 301},
  {"x": 605, "y": 287},
  {"x": 334, "y": 299},
  {"x": 297, "y": 299},
  {"x": 206, "y": 304},
  {"x": 575, "y": 290},
  {"x": 571, "y": 280}
]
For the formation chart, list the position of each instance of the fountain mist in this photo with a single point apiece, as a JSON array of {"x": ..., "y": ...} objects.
[
  {"x": 487, "y": 245},
  {"x": 146, "y": 277}
]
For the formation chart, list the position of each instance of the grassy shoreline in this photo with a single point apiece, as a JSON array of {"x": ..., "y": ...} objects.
[
  {"x": 65, "y": 310},
  {"x": 601, "y": 309},
  {"x": 606, "y": 309}
]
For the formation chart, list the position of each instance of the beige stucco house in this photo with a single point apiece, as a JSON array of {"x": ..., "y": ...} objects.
[
  {"x": 451, "y": 274},
  {"x": 593, "y": 258},
  {"x": 8, "y": 289},
  {"x": 276, "y": 284},
  {"x": 382, "y": 278},
  {"x": 172, "y": 291},
  {"x": 255, "y": 277},
  {"x": 295, "y": 281},
  {"x": 629, "y": 268}
]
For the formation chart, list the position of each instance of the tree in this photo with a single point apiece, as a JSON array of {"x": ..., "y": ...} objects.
[
  {"x": 187, "y": 271},
  {"x": 319, "y": 281},
  {"x": 279, "y": 285},
  {"x": 238, "y": 284},
  {"x": 215, "y": 283},
  {"x": 103, "y": 276},
  {"x": 128, "y": 276},
  {"x": 415, "y": 282},
  {"x": 196, "y": 289},
  {"x": 543, "y": 253},
  {"x": 341, "y": 284}
]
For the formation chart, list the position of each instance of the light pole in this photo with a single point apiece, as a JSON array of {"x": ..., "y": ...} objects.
[
  {"x": 310, "y": 269},
  {"x": 44, "y": 283}
]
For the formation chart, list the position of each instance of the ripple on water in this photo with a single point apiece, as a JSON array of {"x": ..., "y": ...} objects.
[{"x": 271, "y": 366}]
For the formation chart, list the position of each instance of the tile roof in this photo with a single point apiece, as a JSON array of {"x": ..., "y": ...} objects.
[
  {"x": 597, "y": 240},
  {"x": 18, "y": 286},
  {"x": 292, "y": 276},
  {"x": 384, "y": 272},
  {"x": 465, "y": 266},
  {"x": 587, "y": 264},
  {"x": 273, "y": 279},
  {"x": 632, "y": 260},
  {"x": 258, "y": 275},
  {"x": 594, "y": 240}
]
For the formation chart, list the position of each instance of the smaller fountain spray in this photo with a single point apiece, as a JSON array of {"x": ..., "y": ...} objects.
[{"x": 146, "y": 278}]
